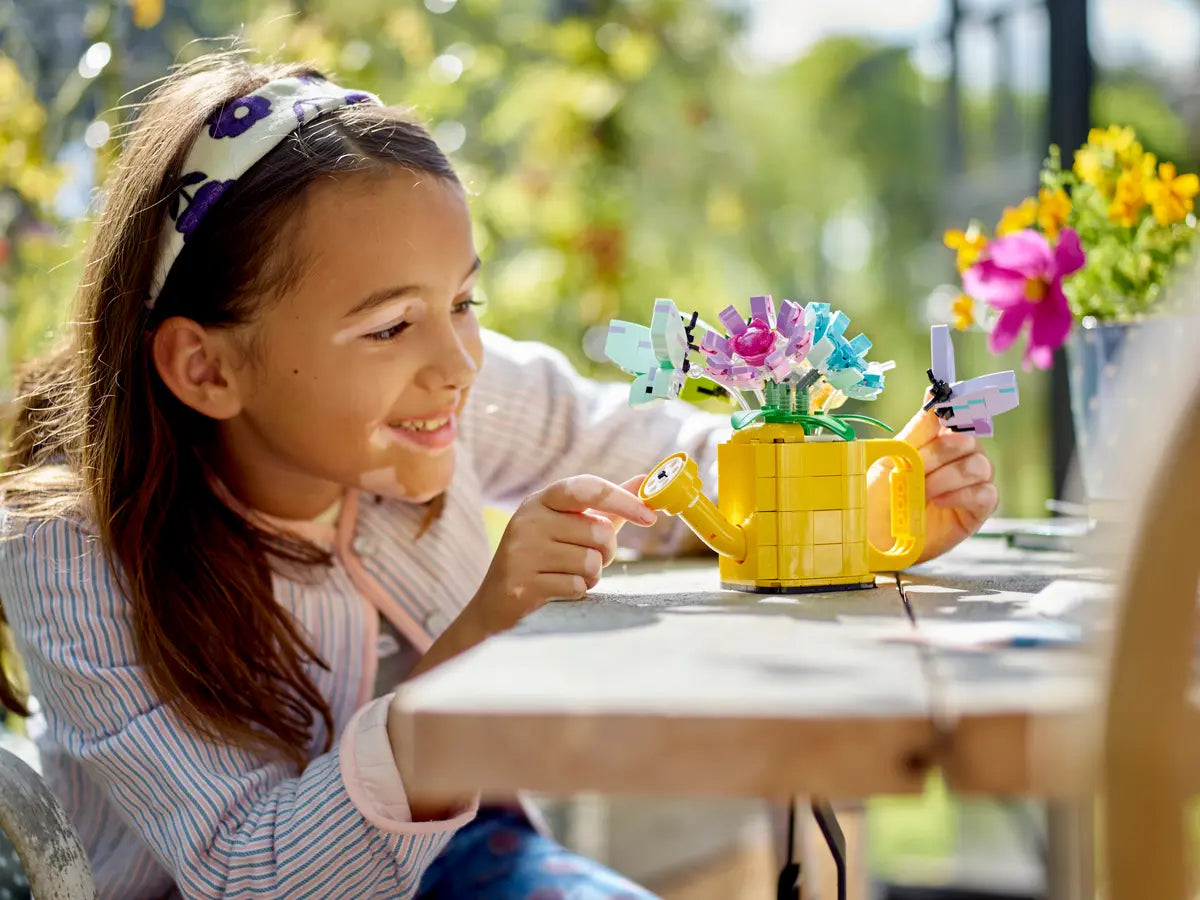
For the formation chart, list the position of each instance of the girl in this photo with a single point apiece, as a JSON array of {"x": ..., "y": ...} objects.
[{"x": 246, "y": 501}]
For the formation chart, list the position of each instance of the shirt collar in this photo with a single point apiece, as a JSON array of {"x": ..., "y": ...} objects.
[{"x": 322, "y": 530}]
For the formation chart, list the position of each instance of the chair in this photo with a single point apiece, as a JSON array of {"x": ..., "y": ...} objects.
[
  {"x": 1150, "y": 718},
  {"x": 49, "y": 850}
]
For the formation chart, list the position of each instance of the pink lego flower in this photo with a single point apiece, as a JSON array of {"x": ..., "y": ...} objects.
[
  {"x": 1020, "y": 275},
  {"x": 755, "y": 343}
]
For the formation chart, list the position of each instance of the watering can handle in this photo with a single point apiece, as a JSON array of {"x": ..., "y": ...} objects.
[{"x": 907, "y": 482}]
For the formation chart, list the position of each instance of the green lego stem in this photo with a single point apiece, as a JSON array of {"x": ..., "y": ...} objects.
[{"x": 784, "y": 405}]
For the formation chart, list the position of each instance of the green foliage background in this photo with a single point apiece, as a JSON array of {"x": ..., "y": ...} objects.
[{"x": 616, "y": 150}]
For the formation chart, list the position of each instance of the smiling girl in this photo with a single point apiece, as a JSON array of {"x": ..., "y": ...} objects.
[{"x": 246, "y": 501}]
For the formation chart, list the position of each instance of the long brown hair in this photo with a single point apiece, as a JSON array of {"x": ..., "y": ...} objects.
[{"x": 97, "y": 433}]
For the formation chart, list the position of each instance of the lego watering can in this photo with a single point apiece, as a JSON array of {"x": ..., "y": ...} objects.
[{"x": 792, "y": 510}]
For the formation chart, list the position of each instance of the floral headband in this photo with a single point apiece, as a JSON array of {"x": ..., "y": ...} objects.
[{"x": 239, "y": 134}]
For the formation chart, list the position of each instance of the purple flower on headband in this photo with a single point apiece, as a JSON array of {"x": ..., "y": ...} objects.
[
  {"x": 236, "y": 118},
  {"x": 198, "y": 204},
  {"x": 319, "y": 104}
]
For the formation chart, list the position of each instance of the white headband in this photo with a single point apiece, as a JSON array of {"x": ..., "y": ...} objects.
[{"x": 239, "y": 134}]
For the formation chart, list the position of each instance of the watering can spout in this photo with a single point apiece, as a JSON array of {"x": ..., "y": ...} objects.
[{"x": 674, "y": 487}]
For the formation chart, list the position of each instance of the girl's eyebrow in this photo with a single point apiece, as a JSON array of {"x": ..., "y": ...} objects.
[{"x": 384, "y": 294}]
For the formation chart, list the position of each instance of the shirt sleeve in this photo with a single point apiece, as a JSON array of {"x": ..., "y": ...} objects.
[
  {"x": 532, "y": 419},
  {"x": 226, "y": 822}
]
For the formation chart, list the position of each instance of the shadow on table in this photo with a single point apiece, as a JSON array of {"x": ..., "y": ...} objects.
[
  {"x": 613, "y": 613},
  {"x": 959, "y": 601}
]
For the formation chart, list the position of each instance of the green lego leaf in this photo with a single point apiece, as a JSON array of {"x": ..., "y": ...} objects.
[
  {"x": 854, "y": 417},
  {"x": 744, "y": 417},
  {"x": 831, "y": 424}
]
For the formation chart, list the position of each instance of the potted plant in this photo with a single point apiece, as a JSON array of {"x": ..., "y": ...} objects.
[{"x": 1097, "y": 247}]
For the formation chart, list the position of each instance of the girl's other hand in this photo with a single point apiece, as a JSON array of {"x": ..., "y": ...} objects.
[
  {"x": 959, "y": 492},
  {"x": 556, "y": 545}
]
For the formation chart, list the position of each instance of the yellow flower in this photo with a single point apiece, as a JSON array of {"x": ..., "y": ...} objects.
[
  {"x": 1054, "y": 208},
  {"x": 1121, "y": 141},
  {"x": 1171, "y": 195},
  {"x": 823, "y": 396},
  {"x": 969, "y": 244},
  {"x": 964, "y": 312},
  {"x": 1016, "y": 218},
  {"x": 146, "y": 13},
  {"x": 1130, "y": 197},
  {"x": 1089, "y": 167}
]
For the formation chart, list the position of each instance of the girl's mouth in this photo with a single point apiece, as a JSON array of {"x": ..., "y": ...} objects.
[{"x": 429, "y": 434}]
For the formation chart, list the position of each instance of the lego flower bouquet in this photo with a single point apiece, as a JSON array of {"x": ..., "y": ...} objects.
[
  {"x": 791, "y": 514},
  {"x": 1098, "y": 243}
]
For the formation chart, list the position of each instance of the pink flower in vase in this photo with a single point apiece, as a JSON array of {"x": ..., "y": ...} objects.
[
  {"x": 1020, "y": 275},
  {"x": 755, "y": 343}
]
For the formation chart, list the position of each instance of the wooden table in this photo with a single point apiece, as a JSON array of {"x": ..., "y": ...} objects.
[{"x": 660, "y": 682}]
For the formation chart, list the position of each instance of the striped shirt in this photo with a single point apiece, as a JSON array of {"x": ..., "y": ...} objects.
[{"x": 165, "y": 812}]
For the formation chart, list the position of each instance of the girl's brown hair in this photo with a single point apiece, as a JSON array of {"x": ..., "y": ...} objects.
[{"x": 96, "y": 432}]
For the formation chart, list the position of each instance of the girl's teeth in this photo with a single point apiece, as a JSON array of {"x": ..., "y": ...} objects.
[{"x": 424, "y": 424}]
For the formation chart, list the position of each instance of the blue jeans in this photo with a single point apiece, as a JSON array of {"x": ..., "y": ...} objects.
[{"x": 498, "y": 856}]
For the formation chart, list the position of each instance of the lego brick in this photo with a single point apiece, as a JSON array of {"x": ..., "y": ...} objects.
[
  {"x": 732, "y": 455},
  {"x": 812, "y": 459},
  {"x": 854, "y": 557},
  {"x": 827, "y": 526},
  {"x": 766, "y": 528},
  {"x": 764, "y": 492},
  {"x": 855, "y": 460},
  {"x": 854, "y": 525},
  {"x": 764, "y": 460},
  {"x": 853, "y": 492},
  {"x": 795, "y": 562},
  {"x": 767, "y": 563},
  {"x": 795, "y": 527},
  {"x": 735, "y": 487},
  {"x": 812, "y": 493},
  {"x": 827, "y": 561}
]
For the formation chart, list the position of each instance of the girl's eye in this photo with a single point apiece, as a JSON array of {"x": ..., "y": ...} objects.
[
  {"x": 388, "y": 333},
  {"x": 464, "y": 305}
]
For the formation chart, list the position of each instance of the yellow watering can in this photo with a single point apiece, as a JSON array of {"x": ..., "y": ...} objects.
[{"x": 792, "y": 509}]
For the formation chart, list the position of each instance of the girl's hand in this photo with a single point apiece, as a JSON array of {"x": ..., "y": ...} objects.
[
  {"x": 959, "y": 493},
  {"x": 555, "y": 546}
]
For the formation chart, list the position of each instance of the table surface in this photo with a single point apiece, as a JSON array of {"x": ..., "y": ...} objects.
[{"x": 661, "y": 682}]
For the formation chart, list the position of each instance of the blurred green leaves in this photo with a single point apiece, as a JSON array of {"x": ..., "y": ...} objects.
[
  {"x": 37, "y": 273},
  {"x": 614, "y": 151}
]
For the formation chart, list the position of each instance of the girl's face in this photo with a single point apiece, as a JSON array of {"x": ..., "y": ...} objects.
[{"x": 357, "y": 375}]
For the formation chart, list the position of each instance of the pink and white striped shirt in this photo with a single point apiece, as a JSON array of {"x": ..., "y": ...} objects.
[{"x": 164, "y": 812}]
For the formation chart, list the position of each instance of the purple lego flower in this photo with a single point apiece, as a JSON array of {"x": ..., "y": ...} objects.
[
  {"x": 763, "y": 307},
  {"x": 778, "y": 365},
  {"x": 732, "y": 319},
  {"x": 755, "y": 342},
  {"x": 235, "y": 118},
  {"x": 798, "y": 344},
  {"x": 714, "y": 344},
  {"x": 198, "y": 205}
]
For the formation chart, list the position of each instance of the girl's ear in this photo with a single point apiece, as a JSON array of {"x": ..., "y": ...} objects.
[{"x": 198, "y": 367}]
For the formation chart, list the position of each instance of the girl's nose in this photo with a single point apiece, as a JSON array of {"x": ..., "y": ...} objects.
[{"x": 449, "y": 365}]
